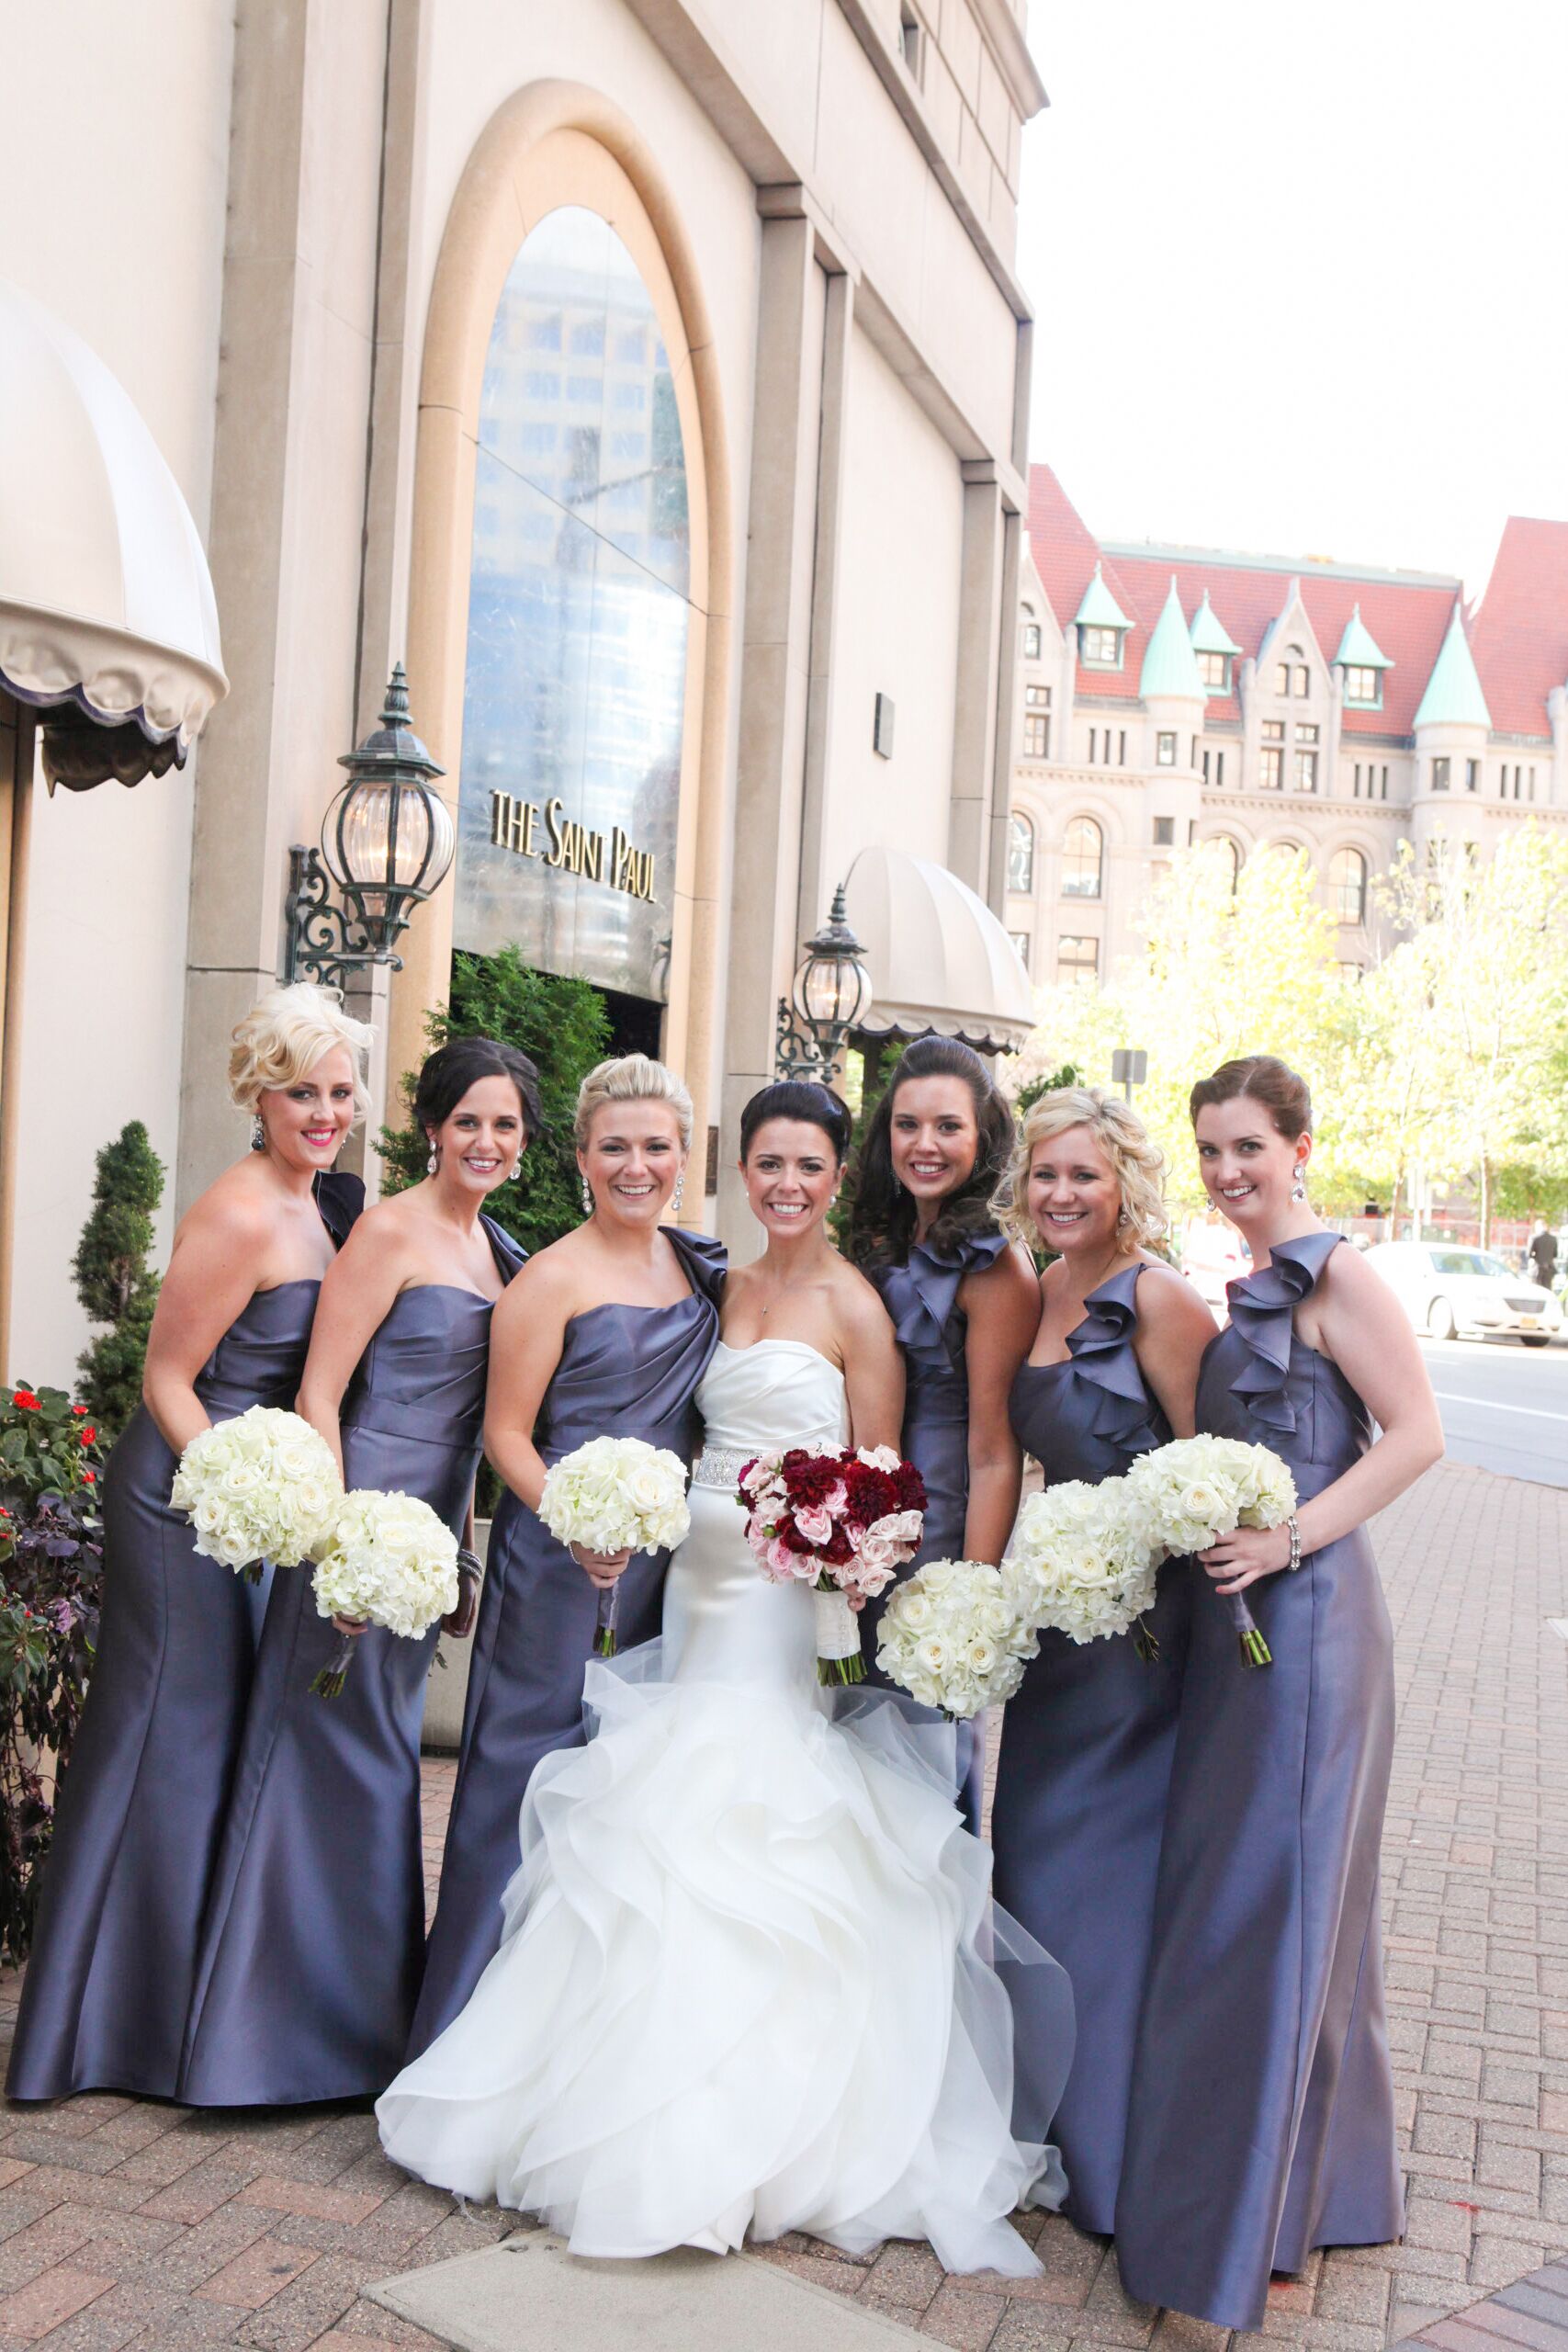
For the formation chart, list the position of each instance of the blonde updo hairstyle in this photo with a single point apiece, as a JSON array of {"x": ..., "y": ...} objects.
[
  {"x": 631, "y": 1078},
  {"x": 1137, "y": 1161},
  {"x": 283, "y": 1037}
]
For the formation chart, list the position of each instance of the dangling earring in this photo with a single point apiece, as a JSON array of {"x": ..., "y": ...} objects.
[
  {"x": 1298, "y": 1190},
  {"x": 1122, "y": 1218},
  {"x": 678, "y": 1195},
  {"x": 258, "y": 1133},
  {"x": 587, "y": 1198},
  {"x": 434, "y": 1162},
  {"x": 516, "y": 1170}
]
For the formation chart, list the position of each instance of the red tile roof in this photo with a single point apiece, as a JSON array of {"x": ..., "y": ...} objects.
[
  {"x": 1519, "y": 635},
  {"x": 1408, "y": 614}
]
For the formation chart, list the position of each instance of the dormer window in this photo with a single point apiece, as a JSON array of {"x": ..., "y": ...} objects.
[
  {"x": 1100, "y": 649},
  {"x": 1292, "y": 676},
  {"x": 1214, "y": 669},
  {"x": 1363, "y": 687},
  {"x": 1032, "y": 638}
]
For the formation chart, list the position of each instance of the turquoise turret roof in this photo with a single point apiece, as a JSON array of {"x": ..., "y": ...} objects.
[
  {"x": 1453, "y": 695},
  {"x": 1100, "y": 609},
  {"x": 1359, "y": 649},
  {"x": 1208, "y": 631},
  {"x": 1170, "y": 666}
]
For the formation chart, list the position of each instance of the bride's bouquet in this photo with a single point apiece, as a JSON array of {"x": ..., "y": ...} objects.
[
  {"x": 616, "y": 1494},
  {"x": 261, "y": 1486},
  {"x": 1195, "y": 1489},
  {"x": 1084, "y": 1560},
  {"x": 957, "y": 1635},
  {"x": 842, "y": 1522},
  {"x": 386, "y": 1560}
]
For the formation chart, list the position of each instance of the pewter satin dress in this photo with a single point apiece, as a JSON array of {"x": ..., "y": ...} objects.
[
  {"x": 921, "y": 1297},
  {"x": 143, "y": 1800},
  {"x": 1261, "y": 2122},
  {"x": 1086, "y": 1752},
  {"x": 314, "y": 1938},
  {"x": 623, "y": 1371}
]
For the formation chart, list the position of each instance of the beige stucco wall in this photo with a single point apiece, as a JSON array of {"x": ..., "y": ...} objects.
[
  {"x": 119, "y": 227},
  {"x": 896, "y": 624}
]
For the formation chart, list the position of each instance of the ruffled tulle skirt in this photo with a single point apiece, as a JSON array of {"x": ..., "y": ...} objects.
[{"x": 750, "y": 1981}]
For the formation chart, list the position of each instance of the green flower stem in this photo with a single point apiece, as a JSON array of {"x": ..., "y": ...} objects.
[{"x": 329, "y": 1683}]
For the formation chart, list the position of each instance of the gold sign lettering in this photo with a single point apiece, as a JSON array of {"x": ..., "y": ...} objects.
[{"x": 514, "y": 825}]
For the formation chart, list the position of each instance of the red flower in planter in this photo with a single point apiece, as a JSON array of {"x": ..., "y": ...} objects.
[
  {"x": 89, "y": 1436},
  {"x": 80, "y": 1411},
  {"x": 26, "y": 1401},
  {"x": 91, "y": 1477}
]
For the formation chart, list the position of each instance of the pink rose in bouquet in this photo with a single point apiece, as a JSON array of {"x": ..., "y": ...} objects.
[{"x": 843, "y": 1524}]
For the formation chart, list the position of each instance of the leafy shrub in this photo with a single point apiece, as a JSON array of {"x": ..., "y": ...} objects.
[
  {"x": 112, "y": 1278},
  {"x": 50, "y": 1577}
]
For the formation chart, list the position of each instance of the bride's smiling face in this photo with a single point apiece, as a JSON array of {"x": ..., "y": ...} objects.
[{"x": 791, "y": 1176}]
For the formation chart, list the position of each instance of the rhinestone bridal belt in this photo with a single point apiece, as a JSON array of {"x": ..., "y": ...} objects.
[{"x": 720, "y": 1465}]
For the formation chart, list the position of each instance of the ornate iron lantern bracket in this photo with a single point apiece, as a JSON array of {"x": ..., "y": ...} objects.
[{"x": 831, "y": 994}]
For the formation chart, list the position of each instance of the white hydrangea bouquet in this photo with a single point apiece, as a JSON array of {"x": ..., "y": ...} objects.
[
  {"x": 385, "y": 1559},
  {"x": 261, "y": 1486},
  {"x": 616, "y": 1494},
  {"x": 957, "y": 1635},
  {"x": 1192, "y": 1491},
  {"x": 1084, "y": 1561}
]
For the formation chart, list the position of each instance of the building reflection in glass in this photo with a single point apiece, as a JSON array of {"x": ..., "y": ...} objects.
[{"x": 577, "y": 613}]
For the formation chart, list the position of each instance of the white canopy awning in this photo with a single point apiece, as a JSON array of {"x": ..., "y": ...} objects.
[
  {"x": 105, "y": 601},
  {"x": 938, "y": 957}
]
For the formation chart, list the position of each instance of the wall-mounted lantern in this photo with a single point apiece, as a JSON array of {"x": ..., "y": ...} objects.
[{"x": 830, "y": 996}]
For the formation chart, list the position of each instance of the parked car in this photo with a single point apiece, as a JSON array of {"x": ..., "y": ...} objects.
[
  {"x": 1212, "y": 1254},
  {"x": 1454, "y": 1293}
]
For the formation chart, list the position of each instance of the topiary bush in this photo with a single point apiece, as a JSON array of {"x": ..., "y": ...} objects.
[{"x": 112, "y": 1278}]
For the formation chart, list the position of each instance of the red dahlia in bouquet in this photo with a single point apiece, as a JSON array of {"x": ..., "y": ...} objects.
[{"x": 843, "y": 1524}]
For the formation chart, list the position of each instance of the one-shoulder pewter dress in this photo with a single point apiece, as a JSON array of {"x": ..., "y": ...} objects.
[
  {"x": 623, "y": 1371},
  {"x": 143, "y": 1802},
  {"x": 1261, "y": 2122},
  {"x": 921, "y": 1297},
  {"x": 1086, "y": 1752},
  {"x": 314, "y": 1939}
]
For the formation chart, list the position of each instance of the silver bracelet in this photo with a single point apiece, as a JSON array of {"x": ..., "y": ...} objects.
[{"x": 1295, "y": 1534}]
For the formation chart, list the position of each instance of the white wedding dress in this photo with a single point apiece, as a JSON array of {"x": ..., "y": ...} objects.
[{"x": 744, "y": 1984}]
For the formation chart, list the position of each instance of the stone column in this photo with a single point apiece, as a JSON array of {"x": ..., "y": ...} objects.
[{"x": 980, "y": 608}]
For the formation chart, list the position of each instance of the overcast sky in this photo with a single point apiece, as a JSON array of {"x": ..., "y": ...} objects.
[{"x": 1301, "y": 272}]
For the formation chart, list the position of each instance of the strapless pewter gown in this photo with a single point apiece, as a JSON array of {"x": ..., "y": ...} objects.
[
  {"x": 742, "y": 1987},
  {"x": 623, "y": 1371},
  {"x": 1086, "y": 1752},
  {"x": 921, "y": 1297},
  {"x": 1261, "y": 2122},
  {"x": 314, "y": 1938},
  {"x": 143, "y": 1800}
]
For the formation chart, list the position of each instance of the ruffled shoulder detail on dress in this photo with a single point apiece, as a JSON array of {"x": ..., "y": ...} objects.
[
  {"x": 340, "y": 1198},
  {"x": 1102, "y": 1354},
  {"x": 921, "y": 1294},
  {"x": 509, "y": 1254},
  {"x": 704, "y": 1260},
  {"x": 1262, "y": 1310}
]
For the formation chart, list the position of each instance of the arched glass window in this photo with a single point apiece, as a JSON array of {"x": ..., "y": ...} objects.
[
  {"x": 579, "y": 576},
  {"x": 1020, "y": 851},
  {"x": 1083, "y": 849},
  {"x": 1030, "y": 636},
  {"x": 1347, "y": 885}
]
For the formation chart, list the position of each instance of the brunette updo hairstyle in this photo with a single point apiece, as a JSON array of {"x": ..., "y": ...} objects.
[
  {"x": 452, "y": 1069},
  {"x": 882, "y": 1227},
  {"x": 1262, "y": 1077},
  {"x": 802, "y": 1099}
]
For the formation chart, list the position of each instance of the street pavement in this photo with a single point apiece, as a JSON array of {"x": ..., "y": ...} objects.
[
  {"x": 1505, "y": 1407},
  {"x": 131, "y": 2227}
]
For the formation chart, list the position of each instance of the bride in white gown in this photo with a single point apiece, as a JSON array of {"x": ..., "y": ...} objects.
[{"x": 743, "y": 1984}]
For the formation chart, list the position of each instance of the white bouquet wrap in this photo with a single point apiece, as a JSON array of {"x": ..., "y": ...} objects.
[
  {"x": 1195, "y": 1489},
  {"x": 957, "y": 1635},
  {"x": 1084, "y": 1560},
  {"x": 386, "y": 1560},
  {"x": 261, "y": 1486},
  {"x": 616, "y": 1494}
]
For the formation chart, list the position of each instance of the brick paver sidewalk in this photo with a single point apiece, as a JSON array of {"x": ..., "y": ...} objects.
[{"x": 127, "y": 2226}]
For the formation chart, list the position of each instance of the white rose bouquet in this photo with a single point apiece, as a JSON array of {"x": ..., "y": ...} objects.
[
  {"x": 957, "y": 1635},
  {"x": 616, "y": 1494},
  {"x": 388, "y": 1560},
  {"x": 261, "y": 1486},
  {"x": 1195, "y": 1489},
  {"x": 1084, "y": 1562}
]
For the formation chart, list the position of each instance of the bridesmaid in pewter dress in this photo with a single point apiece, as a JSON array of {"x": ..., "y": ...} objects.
[
  {"x": 1261, "y": 2122},
  {"x": 964, "y": 1305},
  {"x": 143, "y": 1806},
  {"x": 605, "y": 1334},
  {"x": 1087, "y": 1740},
  {"x": 314, "y": 1939}
]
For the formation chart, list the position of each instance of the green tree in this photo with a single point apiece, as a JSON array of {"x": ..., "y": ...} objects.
[
  {"x": 112, "y": 1278},
  {"x": 562, "y": 1025}
]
